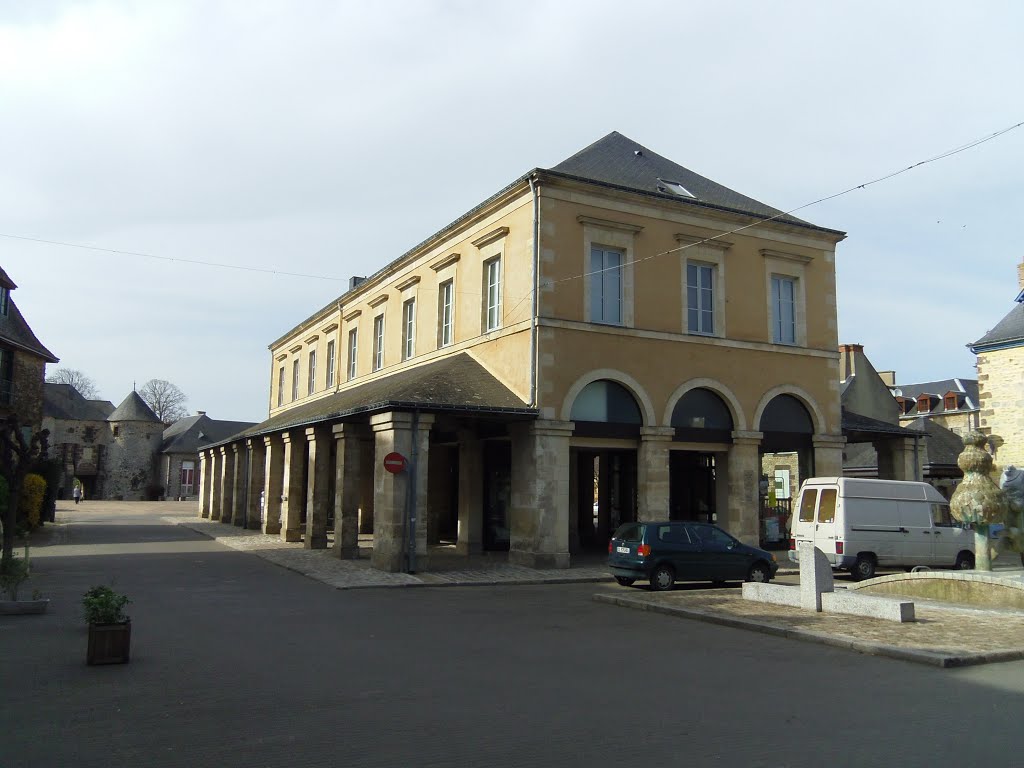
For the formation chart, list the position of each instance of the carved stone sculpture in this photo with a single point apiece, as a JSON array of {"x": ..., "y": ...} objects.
[{"x": 977, "y": 501}]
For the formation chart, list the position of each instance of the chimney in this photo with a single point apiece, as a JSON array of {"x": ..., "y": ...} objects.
[
  {"x": 200, "y": 413},
  {"x": 847, "y": 362},
  {"x": 1020, "y": 275},
  {"x": 888, "y": 378},
  {"x": 354, "y": 281}
]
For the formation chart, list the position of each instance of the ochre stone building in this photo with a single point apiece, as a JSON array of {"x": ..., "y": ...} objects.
[
  {"x": 611, "y": 339},
  {"x": 23, "y": 360},
  {"x": 1001, "y": 382}
]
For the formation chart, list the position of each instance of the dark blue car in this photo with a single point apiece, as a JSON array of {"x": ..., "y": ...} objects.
[{"x": 667, "y": 552}]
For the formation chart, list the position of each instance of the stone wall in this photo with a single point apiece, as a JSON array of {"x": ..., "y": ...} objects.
[
  {"x": 81, "y": 446},
  {"x": 26, "y": 390},
  {"x": 1001, "y": 391}
]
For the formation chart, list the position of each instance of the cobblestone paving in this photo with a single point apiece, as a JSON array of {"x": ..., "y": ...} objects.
[
  {"x": 938, "y": 629},
  {"x": 353, "y": 574}
]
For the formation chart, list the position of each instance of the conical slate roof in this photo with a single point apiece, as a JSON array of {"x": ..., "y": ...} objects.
[{"x": 133, "y": 408}]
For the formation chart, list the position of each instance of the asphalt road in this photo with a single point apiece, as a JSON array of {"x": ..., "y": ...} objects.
[{"x": 237, "y": 662}]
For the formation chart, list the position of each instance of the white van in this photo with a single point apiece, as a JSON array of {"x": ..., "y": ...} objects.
[{"x": 861, "y": 525}]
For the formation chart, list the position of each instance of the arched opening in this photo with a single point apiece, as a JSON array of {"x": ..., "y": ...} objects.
[
  {"x": 700, "y": 416},
  {"x": 605, "y": 478},
  {"x": 787, "y": 458}
]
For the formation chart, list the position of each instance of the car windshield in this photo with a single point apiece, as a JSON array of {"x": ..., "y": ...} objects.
[{"x": 630, "y": 532}]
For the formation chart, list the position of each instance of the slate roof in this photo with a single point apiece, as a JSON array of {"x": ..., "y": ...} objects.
[
  {"x": 14, "y": 330},
  {"x": 967, "y": 387},
  {"x": 457, "y": 383},
  {"x": 187, "y": 435},
  {"x": 863, "y": 427},
  {"x": 133, "y": 408},
  {"x": 1008, "y": 332},
  {"x": 618, "y": 161},
  {"x": 64, "y": 402}
]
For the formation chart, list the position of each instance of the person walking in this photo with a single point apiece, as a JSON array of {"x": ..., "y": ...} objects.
[{"x": 77, "y": 493}]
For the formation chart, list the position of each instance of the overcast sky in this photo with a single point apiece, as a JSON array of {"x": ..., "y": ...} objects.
[{"x": 327, "y": 138}]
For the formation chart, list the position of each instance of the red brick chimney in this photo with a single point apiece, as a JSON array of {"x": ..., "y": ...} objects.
[{"x": 847, "y": 359}]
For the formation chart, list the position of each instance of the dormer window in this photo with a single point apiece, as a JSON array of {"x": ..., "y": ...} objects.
[
  {"x": 924, "y": 404},
  {"x": 950, "y": 403}
]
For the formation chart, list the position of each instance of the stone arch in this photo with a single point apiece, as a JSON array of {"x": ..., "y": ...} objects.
[
  {"x": 800, "y": 394},
  {"x": 731, "y": 402},
  {"x": 643, "y": 400}
]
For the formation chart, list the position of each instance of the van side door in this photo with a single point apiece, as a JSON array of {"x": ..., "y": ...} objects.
[
  {"x": 916, "y": 534},
  {"x": 949, "y": 538}
]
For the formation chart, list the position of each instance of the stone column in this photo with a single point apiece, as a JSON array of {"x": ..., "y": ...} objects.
[
  {"x": 238, "y": 462},
  {"x": 294, "y": 491},
  {"x": 257, "y": 473},
  {"x": 216, "y": 483},
  {"x": 471, "y": 494},
  {"x": 227, "y": 482},
  {"x": 896, "y": 459},
  {"x": 366, "y": 484},
  {"x": 273, "y": 483},
  {"x": 653, "y": 473},
  {"x": 317, "y": 486},
  {"x": 742, "y": 517},
  {"x": 540, "y": 494},
  {"x": 393, "y": 432},
  {"x": 204, "y": 484},
  {"x": 349, "y": 469}
]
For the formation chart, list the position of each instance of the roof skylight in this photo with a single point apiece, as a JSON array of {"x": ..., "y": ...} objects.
[{"x": 674, "y": 188}]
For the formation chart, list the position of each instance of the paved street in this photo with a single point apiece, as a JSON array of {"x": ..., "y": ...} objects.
[{"x": 239, "y": 662}]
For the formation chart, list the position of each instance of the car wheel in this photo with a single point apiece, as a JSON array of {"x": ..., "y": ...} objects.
[
  {"x": 663, "y": 578},
  {"x": 760, "y": 573},
  {"x": 965, "y": 561},
  {"x": 864, "y": 568},
  {"x": 625, "y": 581}
]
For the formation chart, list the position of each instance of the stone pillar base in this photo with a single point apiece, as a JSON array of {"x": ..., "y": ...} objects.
[
  {"x": 239, "y": 521},
  {"x": 346, "y": 553},
  {"x": 468, "y": 548},
  {"x": 291, "y": 535},
  {"x": 540, "y": 560},
  {"x": 316, "y": 542},
  {"x": 272, "y": 529},
  {"x": 393, "y": 562}
]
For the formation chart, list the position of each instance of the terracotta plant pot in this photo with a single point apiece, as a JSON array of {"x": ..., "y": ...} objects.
[{"x": 109, "y": 643}]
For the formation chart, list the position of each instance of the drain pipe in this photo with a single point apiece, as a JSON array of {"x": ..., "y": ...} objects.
[{"x": 534, "y": 347}]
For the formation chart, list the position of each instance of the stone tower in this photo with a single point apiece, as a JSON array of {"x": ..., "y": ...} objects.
[{"x": 131, "y": 465}]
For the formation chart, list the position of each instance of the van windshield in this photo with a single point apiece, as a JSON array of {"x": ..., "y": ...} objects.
[{"x": 807, "y": 502}]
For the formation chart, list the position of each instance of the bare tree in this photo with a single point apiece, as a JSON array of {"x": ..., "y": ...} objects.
[
  {"x": 86, "y": 387},
  {"x": 166, "y": 400}
]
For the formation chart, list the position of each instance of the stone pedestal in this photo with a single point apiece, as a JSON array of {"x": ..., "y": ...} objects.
[
  {"x": 742, "y": 516},
  {"x": 317, "y": 439},
  {"x": 393, "y": 432},
  {"x": 294, "y": 492},
  {"x": 471, "y": 494},
  {"x": 257, "y": 473},
  {"x": 349, "y": 468},
  {"x": 273, "y": 483},
  {"x": 815, "y": 576},
  {"x": 653, "y": 473},
  {"x": 540, "y": 494}
]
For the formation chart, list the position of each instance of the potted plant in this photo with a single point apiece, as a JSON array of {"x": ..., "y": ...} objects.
[
  {"x": 12, "y": 576},
  {"x": 110, "y": 629}
]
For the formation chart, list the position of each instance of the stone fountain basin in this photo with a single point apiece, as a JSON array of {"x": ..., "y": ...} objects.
[{"x": 974, "y": 588}]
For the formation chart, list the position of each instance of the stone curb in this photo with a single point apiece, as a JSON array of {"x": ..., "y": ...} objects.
[
  {"x": 931, "y": 658},
  {"x": 413, "y": 580}
]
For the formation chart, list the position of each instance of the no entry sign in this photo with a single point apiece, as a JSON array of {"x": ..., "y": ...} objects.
[{"x": 394, "y": 463}]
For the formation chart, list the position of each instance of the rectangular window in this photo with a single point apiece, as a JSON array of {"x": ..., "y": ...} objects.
[
  {"x": 446, "y": 299},
  {"x": 492, "y": 275},
  {"x": 605, "y": 286},
  {"x": 353, "y": 349},
  {"x": 330, "y": 364},
  {"x": 295, "y": 379},
  {"x": 378, "y": 342},
  {"x": 188, "y": 473},
  {"x": 280, "y": 387},
  {"x": 807, "y": 501},
  {"x": 827, "y": 505},
  {"x": 408, "y": 329},
  {"x": 783, "y": 310},
  {"x": 311, "y": 384},
  {"x": 700, "y": 301}
]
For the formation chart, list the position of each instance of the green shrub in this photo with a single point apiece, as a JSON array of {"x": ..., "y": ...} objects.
[
  {"x": 104, "y": 606},
  {"x": 33, "y": 491},
  {"x": 12, "y": 576}
]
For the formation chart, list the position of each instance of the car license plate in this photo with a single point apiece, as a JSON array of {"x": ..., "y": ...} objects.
[{"x": 623, "y": 550}]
